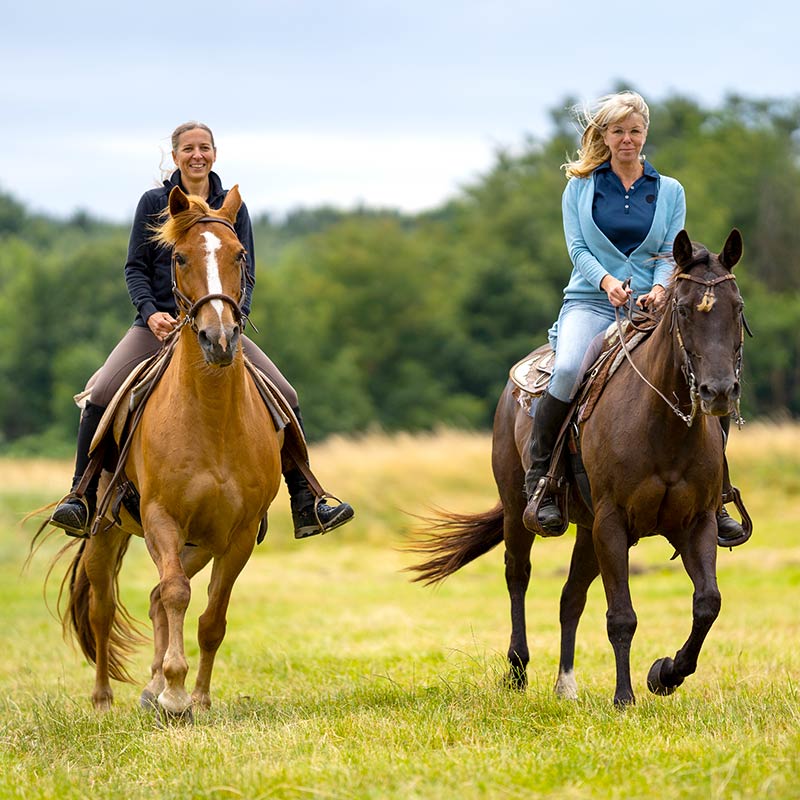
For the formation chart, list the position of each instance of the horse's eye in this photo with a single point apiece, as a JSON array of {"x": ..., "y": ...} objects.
[
  {"x": 683, "y": 311},
  {"x": 180, "y": 260}
]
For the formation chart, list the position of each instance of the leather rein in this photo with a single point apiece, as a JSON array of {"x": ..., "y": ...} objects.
[
  {"x": 190, "y": 308},
  {"x": 686, "y": 366}
]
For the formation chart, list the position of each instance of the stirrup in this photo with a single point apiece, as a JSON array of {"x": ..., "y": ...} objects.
[
  {"x": 733, "y": 495},
  {"x": 71, "y": 530},
  {"x": 530, "y": 517},
  {"x": 304, "y": 531}
]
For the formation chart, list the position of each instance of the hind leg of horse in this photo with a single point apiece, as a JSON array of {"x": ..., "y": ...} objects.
[
  {"x": 518, "y": 542},
  {"x": 509, "y": 476},
  {"x": 699, "y": 556},
  {"x": 99, "y": 562},
  {"x": 193, "y": 560},
  {"x": 583, "y": 570},
  {"x": 518, "y": 575},
  {"x": 212, "y": 623},
  {"x": 611, "y": 546}
]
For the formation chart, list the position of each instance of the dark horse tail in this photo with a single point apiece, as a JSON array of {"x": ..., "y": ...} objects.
[
  {"x": 453, "y": 540},
  {"x": 125, "y": 633}
]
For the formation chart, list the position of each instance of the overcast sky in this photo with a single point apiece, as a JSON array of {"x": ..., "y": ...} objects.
[{"x": 383, "y": 102}]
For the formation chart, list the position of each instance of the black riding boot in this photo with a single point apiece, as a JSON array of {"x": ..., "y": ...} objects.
[
  {"x": 729, "y": 531},
  {"x": 547, "y": 421},
  {"x": 310, "y": 520},
  {"x": 74, "y": 513}
]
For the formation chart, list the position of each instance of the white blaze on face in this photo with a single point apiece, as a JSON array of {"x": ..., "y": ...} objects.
[{"x": 212, "y": 270}]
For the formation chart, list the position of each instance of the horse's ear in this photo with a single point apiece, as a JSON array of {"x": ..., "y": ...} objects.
[
  {"x": 682, "y": 249},
  {"x": 232, "y": 204},
  {"x": 732, "y": 251},
  {"x": 178, "y": 201}
]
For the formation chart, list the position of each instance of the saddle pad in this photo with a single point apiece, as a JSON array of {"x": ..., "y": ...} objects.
[
  {"x": 110, "y": 413},
  {"x": 532, "y": 374}
]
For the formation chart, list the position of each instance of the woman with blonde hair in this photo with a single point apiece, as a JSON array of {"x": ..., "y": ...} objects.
[{"x": 620, "y": 219}]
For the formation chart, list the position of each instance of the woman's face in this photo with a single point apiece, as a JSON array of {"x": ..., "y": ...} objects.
[
  {"x": 625, "y": 139},
  {"x": 195, "y": 154}
]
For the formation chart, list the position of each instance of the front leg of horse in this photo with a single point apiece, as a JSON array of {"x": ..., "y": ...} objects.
[
  {"x": 700, "y": 561},
  {"x": 174, "y": 701},
  {"x": 212, "y": 623},
  {"x": 582, "y": 571},
  {"x": 158, "y": 617},
  {"x": 193, "y": 560}
]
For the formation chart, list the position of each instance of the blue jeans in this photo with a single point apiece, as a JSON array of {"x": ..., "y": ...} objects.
[{"x": 572, "y": 336}]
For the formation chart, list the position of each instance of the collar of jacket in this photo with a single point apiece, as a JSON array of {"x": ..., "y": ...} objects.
[{"x": 216, "y": 192}]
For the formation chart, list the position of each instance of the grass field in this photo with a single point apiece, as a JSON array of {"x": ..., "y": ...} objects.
[{"x": 340, "y": 679}]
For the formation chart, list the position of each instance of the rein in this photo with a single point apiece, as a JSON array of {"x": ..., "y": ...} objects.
[
  {"x": 706, "y": 304},
  {"x": 190, "y": 308}
]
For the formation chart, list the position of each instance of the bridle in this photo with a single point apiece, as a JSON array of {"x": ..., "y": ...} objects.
[
  {"x": 706, "y": 305},
  {"x": 189, "y": 307}
]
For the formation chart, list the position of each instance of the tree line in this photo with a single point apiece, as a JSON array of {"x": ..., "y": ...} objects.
[{"x": 408, "y": 322}]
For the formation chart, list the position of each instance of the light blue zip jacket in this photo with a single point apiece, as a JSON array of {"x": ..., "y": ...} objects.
[{"x": 593, "y": 256}]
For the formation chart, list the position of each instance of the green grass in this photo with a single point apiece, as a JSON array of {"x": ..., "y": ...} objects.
[{"x": 340, "y": 679}]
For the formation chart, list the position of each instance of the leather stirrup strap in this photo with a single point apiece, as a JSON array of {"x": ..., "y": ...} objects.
[
  {"x": 93, "y": 469},
  {"x": 550, "y": 484},
  {"x": 125, "y": 447}
]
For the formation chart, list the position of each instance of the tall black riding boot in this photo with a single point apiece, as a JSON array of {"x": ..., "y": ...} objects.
[
  {"x": 729, "y": 531},
  {"x": 547, "y": 421},
  {"x": 74, "y": 513},
  {"x": 309, "y": 519}
]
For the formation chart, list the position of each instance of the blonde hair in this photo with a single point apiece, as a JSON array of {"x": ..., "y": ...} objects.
[{"x": 594, "y": 121}]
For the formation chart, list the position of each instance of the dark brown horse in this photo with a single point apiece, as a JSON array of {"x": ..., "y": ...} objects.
[
  {"x": 651, "y": 471},
  {"x": 206, "y": 461}
]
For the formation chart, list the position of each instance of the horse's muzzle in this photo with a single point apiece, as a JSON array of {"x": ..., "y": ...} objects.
[
  {"x": 719, "y": 398},
  {"x": 219, "y": 344}
]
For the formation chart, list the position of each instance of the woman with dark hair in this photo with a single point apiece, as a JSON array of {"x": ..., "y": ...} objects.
[{"x": 148, "y": 276}]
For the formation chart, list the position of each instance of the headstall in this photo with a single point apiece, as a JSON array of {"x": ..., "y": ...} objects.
[
  {"x": 190, "y": 308},
  {"x": 705, "y": 305}
]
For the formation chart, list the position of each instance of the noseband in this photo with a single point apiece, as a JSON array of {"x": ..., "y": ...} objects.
[{"x": 190, "y": 308}]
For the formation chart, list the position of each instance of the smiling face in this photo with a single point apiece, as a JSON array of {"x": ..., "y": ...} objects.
[
  {"x": 625, "y": 139},
  {"x": 194, "y": 156}
]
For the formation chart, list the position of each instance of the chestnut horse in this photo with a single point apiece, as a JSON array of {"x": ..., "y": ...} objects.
[
  {"x": 651, "y": 471},
  {"x": 206, "y": 460}
]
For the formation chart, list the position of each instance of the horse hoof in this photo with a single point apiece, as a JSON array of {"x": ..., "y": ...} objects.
[
  {"x": 566, "y": 686},
  {"x": 656, "y": 684},
  {"x": 167, "y": 719},
  {"x": 621, "y": 703},
  {"x": 516, "y": 679},
  {"x": 148, "y": 701}
]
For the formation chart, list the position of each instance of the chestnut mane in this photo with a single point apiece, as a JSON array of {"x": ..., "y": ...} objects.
[{"x": 171, "y": 228}]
